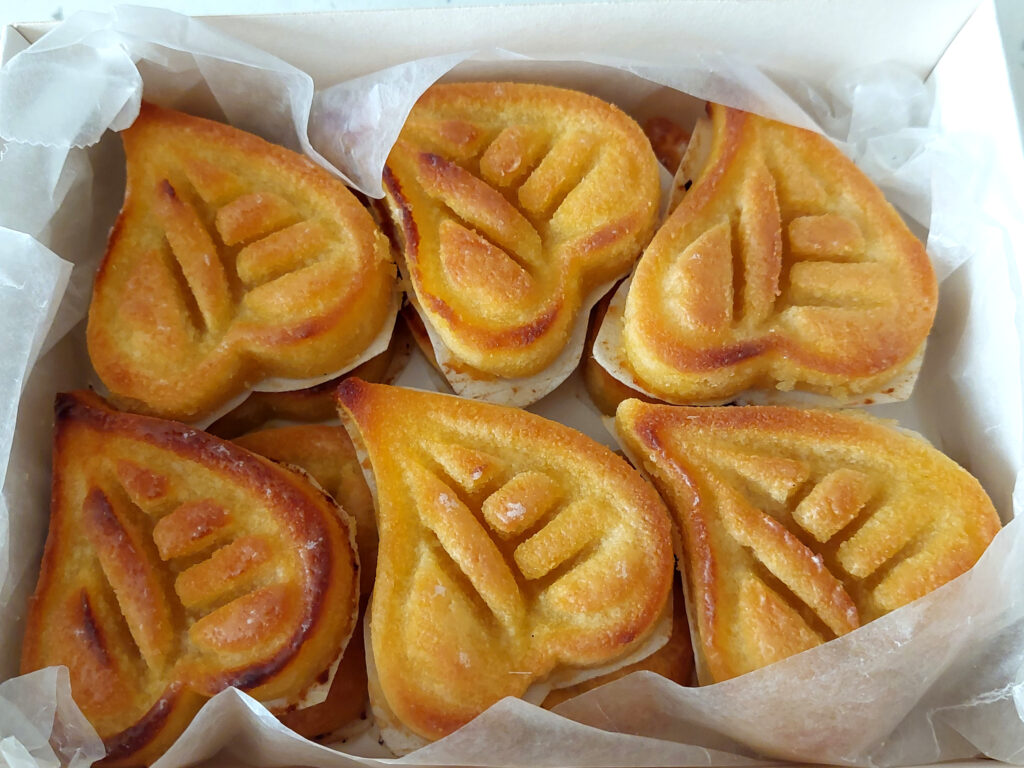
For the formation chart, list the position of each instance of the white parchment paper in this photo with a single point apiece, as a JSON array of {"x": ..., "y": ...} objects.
[{"x": 938, "y": 680}]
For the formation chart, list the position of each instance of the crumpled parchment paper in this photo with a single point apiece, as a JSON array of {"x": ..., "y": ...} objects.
[{"x": 938, "y": 680}]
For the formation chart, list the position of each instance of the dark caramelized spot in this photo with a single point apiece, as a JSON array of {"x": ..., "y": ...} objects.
[
  {"x": 733, "y": 354},
  {"x": 668, "y": 139},
  {"x": 134, "y": 738},
  {"x": 102, "y": 522},
  {"x": 521, "y": 336},
  {"x": 410, "y": 235},
  {"x": 89, "y": 633},
  {"x": 164, "y": 188}
]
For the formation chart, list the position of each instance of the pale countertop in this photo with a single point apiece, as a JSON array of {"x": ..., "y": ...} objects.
[{"x": 1010, "y": 13}]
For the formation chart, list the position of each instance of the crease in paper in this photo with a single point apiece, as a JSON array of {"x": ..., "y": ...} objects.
[{"x": 938, "y": 680}]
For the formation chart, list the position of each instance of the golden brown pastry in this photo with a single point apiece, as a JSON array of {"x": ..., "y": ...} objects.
[
  {"x": 673, "y": 661},
  {"x": 668, "y": 140},
  {"x": 346, "y": 698},
  {"x": 783, "y": 267},
  {"x": 177, "y": 565},
  {"x": 311, "y": 404},
  {"x": 515, "y": 205},
  {"x": 327, "y": 455},
  {"x": 233, "y": 260},
  {"x": 799, "y": 526},
  {"x": 511, "y": 548}
]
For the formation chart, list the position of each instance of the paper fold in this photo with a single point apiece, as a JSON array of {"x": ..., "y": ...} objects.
[{"x": 940, "y": 679}]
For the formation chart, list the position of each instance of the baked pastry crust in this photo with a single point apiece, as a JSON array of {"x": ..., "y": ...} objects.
[
  {"x": 799, "y": 526},
  {"x": 511, "y": 547},
  {"x": 312, "y": 404},
  {"x": 177, "y": 565},
  {"x": 327, "y": 455},
  {"x": 346, "y": 700},
  {"x": 233, "y": 260},
  {"x": 512, "y": 204},
  {"x": 782, "y": 267},
  {"x": 668, "y": 140},
  {"x": 673, "y": 661}
]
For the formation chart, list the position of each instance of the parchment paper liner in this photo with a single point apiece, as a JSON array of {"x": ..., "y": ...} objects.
[{"x": 938, "y": 680}]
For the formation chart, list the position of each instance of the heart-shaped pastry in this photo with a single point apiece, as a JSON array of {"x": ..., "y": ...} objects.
[
  {"x": 233, "y": 260},
  {"x": 177, "y": 565},
  {"x": 512, "y": 549},
  {"x": 515, "y": 207},
  {"x": 781, "y": 267},
  {"x": 799, "y": 526}
]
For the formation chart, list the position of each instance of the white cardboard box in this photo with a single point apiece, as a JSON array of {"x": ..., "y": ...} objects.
[{"x": 955, "y": 44}]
